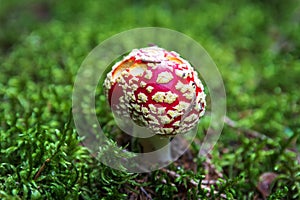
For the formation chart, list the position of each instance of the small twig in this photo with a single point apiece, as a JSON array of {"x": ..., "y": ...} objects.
[
  {"x": 209, "y": 182},
  {"x": 146, "y": 193},
  {"x": 60, "y": 144},
  {"x": 233, "y": 124},
  {"x": 41, "y": 169},
  {"x": 174, "y": 175},
  {"x": 211, "y": 167},
  {"x": 250, "y": 132}
]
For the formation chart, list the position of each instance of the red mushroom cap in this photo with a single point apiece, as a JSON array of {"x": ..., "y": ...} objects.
[{"x": 157, "y": 89}]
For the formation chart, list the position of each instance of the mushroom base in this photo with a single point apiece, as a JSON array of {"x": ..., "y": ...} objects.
[{"x": 158, "y": 146}]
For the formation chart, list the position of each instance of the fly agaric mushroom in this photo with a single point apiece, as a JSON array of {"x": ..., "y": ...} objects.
[{"x": 158, "y": 90}]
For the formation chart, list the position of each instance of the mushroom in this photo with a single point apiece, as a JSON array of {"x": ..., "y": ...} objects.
[{"x": 159, "y": 92}]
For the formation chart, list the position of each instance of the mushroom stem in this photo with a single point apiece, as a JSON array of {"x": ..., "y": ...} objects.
[{"x": 155, "y": 143}]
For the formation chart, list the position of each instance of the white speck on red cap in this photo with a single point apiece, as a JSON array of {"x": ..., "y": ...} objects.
[{"x": 158, "y": 89}]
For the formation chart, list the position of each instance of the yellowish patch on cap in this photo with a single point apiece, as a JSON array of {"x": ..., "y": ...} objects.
[
  {"x": 173, "y": 113},
  {"x": 182, "y": 106},
  {"x": 165, "y": 119},
  {"x": 142, "y": 97},
  {"x": 149, "y": 89},
  {"x": 152, "y": 108},
  {"x": 170, "y": 97},
  {"x": 159, "y": 97},
  {"x": 164, "y": 77},
  {"x": 148, "y": 74}
]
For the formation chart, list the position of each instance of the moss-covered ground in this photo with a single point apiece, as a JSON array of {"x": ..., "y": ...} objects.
[{"x": 256, "y": 46}]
